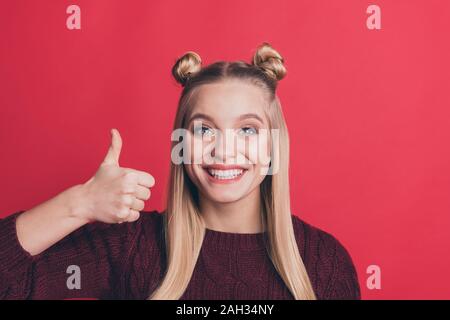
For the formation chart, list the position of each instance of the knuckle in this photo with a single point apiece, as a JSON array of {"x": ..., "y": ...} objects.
[
  {"x": 126, "y": 186},
  {"x": 123, "y": 212},
  {"x": 130, "y": 176},
  {"x": 134, "y": 216},
  {"x": 126, "y": 200}
]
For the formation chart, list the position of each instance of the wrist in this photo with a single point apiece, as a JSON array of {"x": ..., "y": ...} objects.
[{"x": 76, "y": 200}]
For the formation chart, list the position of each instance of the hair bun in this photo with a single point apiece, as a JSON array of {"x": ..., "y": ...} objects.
[
  {"x": 270, "y": 61},
  {"x": 186, "y": 66}
]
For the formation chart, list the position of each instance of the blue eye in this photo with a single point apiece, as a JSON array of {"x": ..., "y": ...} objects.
[
  {"x": 248, "y": 131},
  {"x": 203, "y": 131}
]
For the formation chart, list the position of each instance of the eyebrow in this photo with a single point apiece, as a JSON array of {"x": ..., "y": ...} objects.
[
  {"x": 241, "y": 117},
  {"x": 200, "y": 115},
  {"x": 251, "y": 116}
]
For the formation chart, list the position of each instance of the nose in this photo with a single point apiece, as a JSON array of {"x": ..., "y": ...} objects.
[{"x": 224, "y": 146}]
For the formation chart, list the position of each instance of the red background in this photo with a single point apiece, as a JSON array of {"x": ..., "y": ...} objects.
[{"x": 367, "y": 110}]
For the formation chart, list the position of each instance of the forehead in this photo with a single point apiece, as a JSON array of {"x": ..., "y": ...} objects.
[{"x": 229, "y": 99}]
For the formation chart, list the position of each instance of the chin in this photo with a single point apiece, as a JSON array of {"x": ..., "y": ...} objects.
[{"x": 224, "y": 197}]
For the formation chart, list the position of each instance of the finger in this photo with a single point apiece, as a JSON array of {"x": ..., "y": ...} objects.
[
  {"x": 123, "y": 213},
  {"x": 142, "y": 193},
  {"x": 134, "y": 215},
  {"x": 137, "y": 205},
  {"x": 144, "y": 179},
  {"x": 112, "y": 157}
]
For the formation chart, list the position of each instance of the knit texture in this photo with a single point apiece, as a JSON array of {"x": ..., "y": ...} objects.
[{"x": 127, "y": 261}]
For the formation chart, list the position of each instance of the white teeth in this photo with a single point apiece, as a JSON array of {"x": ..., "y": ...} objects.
[{"x": 225, "y": 174}]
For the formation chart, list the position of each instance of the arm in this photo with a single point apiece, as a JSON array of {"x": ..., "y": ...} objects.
[
  {"x": 44, "y": 225},
  {"x": 101, "y": 252},
  {"x": 37, "y": 244}
]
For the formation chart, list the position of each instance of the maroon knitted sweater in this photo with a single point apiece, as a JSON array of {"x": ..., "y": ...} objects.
[{"x": 126, "y": 261}]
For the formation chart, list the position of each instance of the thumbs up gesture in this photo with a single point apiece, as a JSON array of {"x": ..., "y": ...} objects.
[{"x": 115, "y": 194}]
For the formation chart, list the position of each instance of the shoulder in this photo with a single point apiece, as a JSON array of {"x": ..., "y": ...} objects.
[
  {"x": 143, "y": 254},
  {"x": 309, "y": 236},
  {"x": 153, "y": 220},
  {"x": 144, "y": 234},
  {"x": 149, "y": 222},
  {"x": 151, "y": 226},
  {"x": 327, "y": 261}
]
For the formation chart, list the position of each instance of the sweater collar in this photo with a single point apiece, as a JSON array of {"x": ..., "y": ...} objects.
[{"x": 234, "y": 241}]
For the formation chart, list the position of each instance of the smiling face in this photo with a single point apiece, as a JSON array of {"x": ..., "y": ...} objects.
[{"x": 227, "y": 121}]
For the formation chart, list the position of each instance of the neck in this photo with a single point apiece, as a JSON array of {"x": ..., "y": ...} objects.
[{"x": 241, "y": 216}]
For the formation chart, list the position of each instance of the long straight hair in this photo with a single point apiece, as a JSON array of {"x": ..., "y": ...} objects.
[{"x": 184, "y": 227}]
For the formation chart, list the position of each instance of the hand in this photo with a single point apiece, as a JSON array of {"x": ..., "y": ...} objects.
[{"x": 115, "y": 194}]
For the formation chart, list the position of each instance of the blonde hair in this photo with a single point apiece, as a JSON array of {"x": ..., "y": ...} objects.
[{"x": 183, "y": 225}]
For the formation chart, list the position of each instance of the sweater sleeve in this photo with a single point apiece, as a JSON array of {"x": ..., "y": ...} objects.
[{"x": 88, "y": 263}]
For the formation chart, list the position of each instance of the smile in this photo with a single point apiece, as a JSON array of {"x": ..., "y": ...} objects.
[{"x": 223, "y": 174}]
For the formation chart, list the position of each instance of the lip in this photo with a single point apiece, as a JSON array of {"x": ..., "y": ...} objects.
[
  {"x": 224, "y": 167},
  {"x": 220, "y": 166}
]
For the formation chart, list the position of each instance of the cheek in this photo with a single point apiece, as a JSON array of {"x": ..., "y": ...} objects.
[
  {"x": 247, "y": 150},
  {"x": 194, "y": 172},
  {"x": 193, "y": 149},
  {"x": 199, "y": 149},
  {"x": 258, "y": 150}
]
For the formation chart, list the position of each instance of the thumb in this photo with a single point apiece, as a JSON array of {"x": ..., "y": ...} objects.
[{"x": 112, "y": 157}]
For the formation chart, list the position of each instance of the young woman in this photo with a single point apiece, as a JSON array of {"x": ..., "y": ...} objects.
[{"x": 227, "y": 231}]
